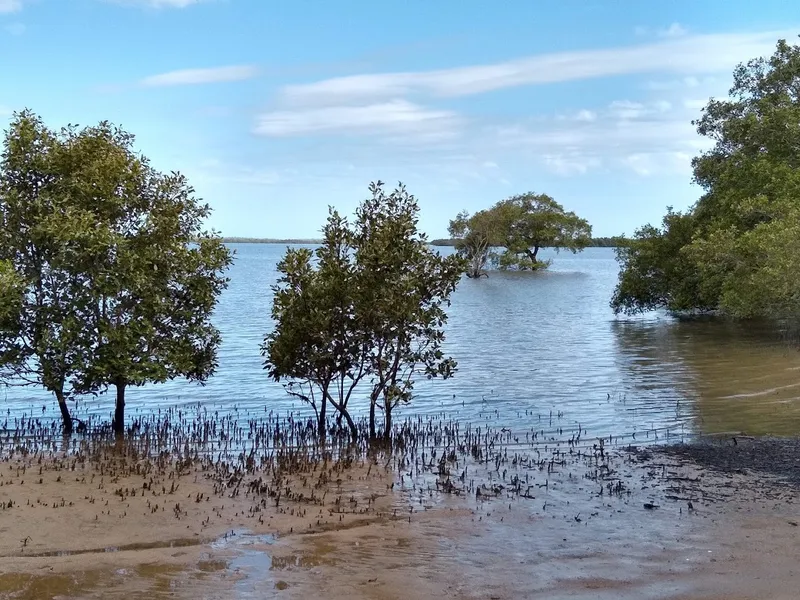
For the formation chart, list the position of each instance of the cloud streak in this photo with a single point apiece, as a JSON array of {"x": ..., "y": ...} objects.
[
  {"x": 156, "y": 4},
  {"x": 394, "y": 116},
  {"x": 686, "y": 55},
  {"x": 201, "y": 76}
]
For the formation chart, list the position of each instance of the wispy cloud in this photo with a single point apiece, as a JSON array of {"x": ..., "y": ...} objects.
[
  {"x": 409, "y": 117},
  {"x": 394, "y": 116},
  {"x": 10, "y": 6},
  {"x": 201, "y": 76},
  {"x": 156, "y": 3},
  {"x": 643, "y": 137},
  {"x": 673, "y": 31},
  {"x": 687, "y": 55}
]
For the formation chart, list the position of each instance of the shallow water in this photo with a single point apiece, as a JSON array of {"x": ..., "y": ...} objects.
[{"x": 529, "y": 345}]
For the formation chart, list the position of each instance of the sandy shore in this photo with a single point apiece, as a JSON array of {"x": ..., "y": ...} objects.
[{"x": 112, "y": 526}]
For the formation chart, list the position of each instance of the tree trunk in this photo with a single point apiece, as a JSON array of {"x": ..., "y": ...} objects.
[
  {"x": 66, "y": 418},
  {"x": 372, "y": 433},
  {"x": 350, "y": 424},
  {"x": 118, "y": 424},
  {"x": 387, "y": 430},
  {"x": 321, "y": 424}
]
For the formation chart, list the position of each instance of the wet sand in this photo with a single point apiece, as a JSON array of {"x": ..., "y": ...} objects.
[{"x": 111, "y": 526}]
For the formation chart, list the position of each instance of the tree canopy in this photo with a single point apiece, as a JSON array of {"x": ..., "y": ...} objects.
[
  {"x": 735, "y": 250},
  {"x": 118, "y": 278},
  {"x": 367, "y": 306},
  {"x": 520, "y": 226}
]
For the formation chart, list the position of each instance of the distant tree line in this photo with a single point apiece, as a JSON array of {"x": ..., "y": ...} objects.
[
  {"x": 594, "y": 242},
  {"x": 289, "y": 241}
]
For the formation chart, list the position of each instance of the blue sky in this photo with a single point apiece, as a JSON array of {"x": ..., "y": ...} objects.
[{"x": 275, "y": 110}]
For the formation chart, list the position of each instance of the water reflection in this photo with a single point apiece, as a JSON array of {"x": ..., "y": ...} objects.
[{"x": 733, "y": 377}]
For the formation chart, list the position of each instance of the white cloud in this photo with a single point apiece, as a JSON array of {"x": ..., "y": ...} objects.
[
  {"x": 394, "y": 116},
  {"x": 10, "y": 6},
  {"x": 625, "y": 109},
  {"x": 156, "y": 3},
  {"x": 674, "y": 30},
  {"x": 690, "y": 55},
  {"x": 647, "y": 133},
  {"x": 695, "y": 103},
  {"x": 5, "y": 112},
  {"x": 200, "y": 76},
  {"x": 641, "y": 164},
  {"x": 570, "y": 164},
  {"x": 645, "y": 138}
]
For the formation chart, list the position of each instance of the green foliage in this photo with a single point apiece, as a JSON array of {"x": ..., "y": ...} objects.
[
  {"x": 521, "y": 225},
  {"x": 370, "y": 308},
  {"x": 530, "y": 222},
  {"x": 404, "y": 290},
  {"x": 11, "y": 297},
  {"x": 658, "y": 272},
  {"x": 735, "y": 252},
  {"x": 474, "y": 237},
  {"x": 119, "y": 277},
  {"x": 316, "y": 345}
]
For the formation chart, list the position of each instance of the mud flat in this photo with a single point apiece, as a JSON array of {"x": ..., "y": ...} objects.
[{"x": 453, "y": 513}]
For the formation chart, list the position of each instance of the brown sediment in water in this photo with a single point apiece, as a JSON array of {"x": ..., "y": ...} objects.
[{"x": 485, "y": 519}]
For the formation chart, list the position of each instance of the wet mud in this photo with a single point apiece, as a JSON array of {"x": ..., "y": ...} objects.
[{"x": 194, "y": 506}]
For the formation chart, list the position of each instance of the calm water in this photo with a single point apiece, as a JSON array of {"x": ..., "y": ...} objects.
[{"x": 527, "y": 345}]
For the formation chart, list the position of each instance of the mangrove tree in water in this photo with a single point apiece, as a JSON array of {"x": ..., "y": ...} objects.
[
  {"x": 118, "y": 277},
  {"x": 367, "y": 306},
  {"x": 736, "y": 250},
  {"x": 518, "y": 227}
]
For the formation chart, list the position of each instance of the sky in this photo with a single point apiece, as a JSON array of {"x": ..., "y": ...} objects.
[{"x": 276, "y": 110}]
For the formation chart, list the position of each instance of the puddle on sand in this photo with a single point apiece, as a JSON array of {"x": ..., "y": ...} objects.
[
  {"x": 233, "y": 568},
  {"x": 178, "y": 543},
  {"x": 26, "y": 586}
]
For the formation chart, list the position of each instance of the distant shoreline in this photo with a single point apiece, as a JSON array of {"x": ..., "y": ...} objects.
[
  {"x": 602, "y": 242},
  {"x": 245, "y": 240},
  {"x": 598, "y": 242}
]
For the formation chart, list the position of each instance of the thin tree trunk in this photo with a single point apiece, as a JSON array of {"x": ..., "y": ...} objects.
[
  {"x": 66, "y": 418},
  {"x": 321, "y": 424},
  {"x": 372, "y": 433},
  {"x": 387, "y": 431},
  {"x": 118, "y": 424},
  {"x": 350, "y": 424}
]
